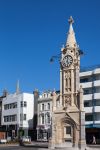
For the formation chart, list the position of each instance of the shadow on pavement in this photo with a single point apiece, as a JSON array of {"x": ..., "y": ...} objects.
[{"x": 35, "y": 145}]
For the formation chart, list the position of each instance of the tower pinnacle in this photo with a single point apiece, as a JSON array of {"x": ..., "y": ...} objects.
[
  {"x": 17, "y": 88},
  {"x": 71, "y": 40},
  {"x": 70, "y": 20}
]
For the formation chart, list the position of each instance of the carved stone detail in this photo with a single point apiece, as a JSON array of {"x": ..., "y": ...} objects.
[
  {"x": 68, "y": 81},
  {"x": 67, "y": 100}
]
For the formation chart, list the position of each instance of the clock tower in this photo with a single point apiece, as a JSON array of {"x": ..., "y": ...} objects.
[
  {"x": 68, "y": 116},
  {"x": 69, "y": 71}
]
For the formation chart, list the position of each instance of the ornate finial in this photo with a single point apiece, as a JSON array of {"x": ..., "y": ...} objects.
[
  {"x": 70, "y": 20},
  {"x": 81, "y": 89},
  {"x": 5, "y": 92}
]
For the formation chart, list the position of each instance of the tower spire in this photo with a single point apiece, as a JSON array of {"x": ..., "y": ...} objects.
[
  {"x": 17, "y": 88},
  {"x": 71, "y": 40}
]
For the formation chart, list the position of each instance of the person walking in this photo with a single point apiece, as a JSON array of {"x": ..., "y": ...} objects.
[{"x": 94, "y": 140}]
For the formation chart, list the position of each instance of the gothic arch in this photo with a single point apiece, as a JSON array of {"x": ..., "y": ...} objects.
[{"x": 67, "y": 119}]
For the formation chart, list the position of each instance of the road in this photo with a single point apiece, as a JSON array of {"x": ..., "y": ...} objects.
[
  {"x": 19, "y": 148},
  {"x": 97, "y": 147}
]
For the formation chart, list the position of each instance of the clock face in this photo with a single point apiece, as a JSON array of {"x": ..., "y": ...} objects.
[{"x": 67, "y": 61}]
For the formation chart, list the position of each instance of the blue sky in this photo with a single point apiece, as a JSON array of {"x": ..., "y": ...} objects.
[{"x": 31, "y": 31}]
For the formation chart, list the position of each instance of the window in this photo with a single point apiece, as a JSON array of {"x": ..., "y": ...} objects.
[
  {"x": 24, "y": 117},
  {"x": 4, "y": 119},
  {"x": 10, "y": 106},
  {"x": 88, "y": 91},
  {"x": 48, "y": 117},
  {"x": 15, "y": 105},
  {"x": 97, "y": 77},
  {"x": 88, "y": 103},
  {"x": 48, "y": 106},
  {"x": 42, "y": 106},
  {"x": 97, "y": 90},
  {"x": 23, "y": 104},
  {"x": 5, "y": 107},
  {"x": 42, "y": 118},
  {"x": 7, "y": 118},
  {"x": 84, "y": 80},
  {"x": 13, "y": 118},
  {"x": 97, "y": 102},
  {"x": 68, "y": 130},
  {"x": 10, "y": 118},
  {"x": 89, "y": 117},
  {"x": 97, "y": 116}
]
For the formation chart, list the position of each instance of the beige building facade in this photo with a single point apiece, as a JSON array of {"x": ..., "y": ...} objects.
[{"x": 68, "y": 116}]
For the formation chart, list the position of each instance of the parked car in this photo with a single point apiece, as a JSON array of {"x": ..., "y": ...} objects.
[
  {"x": 3, "y": 141},
  {"x": 26, "y": 139}
]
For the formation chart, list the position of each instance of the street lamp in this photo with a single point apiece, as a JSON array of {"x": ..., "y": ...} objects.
[{"x": 58, "y": 56}]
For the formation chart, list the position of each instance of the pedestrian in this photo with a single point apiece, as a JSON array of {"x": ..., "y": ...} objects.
[{"x": 94, "y": 140}]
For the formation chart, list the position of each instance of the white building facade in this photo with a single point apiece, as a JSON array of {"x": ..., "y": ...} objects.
[
  {"x": 90, "y": 81},
  {"x": 17, "y": 114},
  {"x": 44, "y": 116}
]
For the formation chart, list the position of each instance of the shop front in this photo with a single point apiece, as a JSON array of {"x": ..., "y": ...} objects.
[
  {"x": 43, "y": 133},
  {"x": 92, "y": 130}
]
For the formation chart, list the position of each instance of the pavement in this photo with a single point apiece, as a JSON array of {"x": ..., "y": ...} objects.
[
  {"x": 44, "y": 146},
  {"x": 41, "y": 146},
  {"x": 38, "y": 144}
]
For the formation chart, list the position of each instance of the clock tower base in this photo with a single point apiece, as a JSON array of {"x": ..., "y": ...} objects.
[{"x": 68, "y": 116}]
